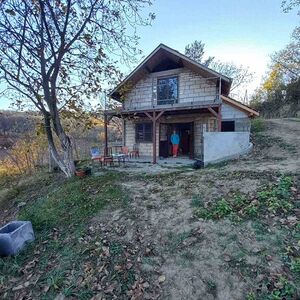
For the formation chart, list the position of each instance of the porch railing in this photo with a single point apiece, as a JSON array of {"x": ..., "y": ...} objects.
[{"x": 188, "y": 103}]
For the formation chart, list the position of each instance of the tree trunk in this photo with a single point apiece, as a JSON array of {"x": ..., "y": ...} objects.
[{"x": 66, "y": 162}]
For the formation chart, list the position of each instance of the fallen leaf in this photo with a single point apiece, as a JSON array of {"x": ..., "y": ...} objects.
[{"x": 161, "y": 278}]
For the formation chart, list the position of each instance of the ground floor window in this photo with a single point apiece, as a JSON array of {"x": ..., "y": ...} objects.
[
  {"x": 228, "y": 126},
  {"x": 143, "y": 132}
]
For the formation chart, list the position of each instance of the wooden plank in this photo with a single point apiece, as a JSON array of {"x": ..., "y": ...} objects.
[
  {"x": 148, "y": 115},
  {"x": 159, "y": 115},
  {"x": 213, "y": 112},
  {"x": 220, "y": 118}
]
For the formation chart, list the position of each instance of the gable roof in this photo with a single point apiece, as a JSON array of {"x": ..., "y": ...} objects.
[
  {"x": 250, "y": 111},
  {"x": 163, "y": 52}
]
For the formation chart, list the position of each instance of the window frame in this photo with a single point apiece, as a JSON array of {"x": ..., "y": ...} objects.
[
  {"x": 228, "y": 121},
  {"x": 167, "y": 101},
  {"x": 137, "y": 139}
]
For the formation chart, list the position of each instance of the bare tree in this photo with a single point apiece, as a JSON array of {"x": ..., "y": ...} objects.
[
  {"x": 288, "y": 5},
  {"x": 240, "y": 75},
  {"x": 55, "y": 54},
  {"x": 289, "y": 57}
]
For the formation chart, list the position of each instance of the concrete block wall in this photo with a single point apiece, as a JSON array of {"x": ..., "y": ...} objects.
[
  {"x": 221, "y": 146},
  {"x": 231, "y": 113},
  {"x": 191, "y": 87},
  {"x": 145, "y": 149},
  {"x": 204, "y": 123}
]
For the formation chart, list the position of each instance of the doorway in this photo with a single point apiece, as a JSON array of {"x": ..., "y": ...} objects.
[{"x": 186, "y": 135}]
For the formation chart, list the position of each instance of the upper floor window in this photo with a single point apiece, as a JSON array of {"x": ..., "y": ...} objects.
[{"x": 167, "y": 90}]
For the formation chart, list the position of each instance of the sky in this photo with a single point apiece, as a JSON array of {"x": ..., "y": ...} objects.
[{"x": 241, "y": 31}]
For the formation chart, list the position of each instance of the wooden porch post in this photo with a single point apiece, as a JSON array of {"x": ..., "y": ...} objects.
[
  {"x": 154, "y": 137},
  {"x": 105, "y": 135},
  {"x": 154, "y": 119},
  {"x": 220, "y": 118}
]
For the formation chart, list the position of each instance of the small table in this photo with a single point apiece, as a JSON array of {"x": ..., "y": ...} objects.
[{"x": 120, "y": 157}]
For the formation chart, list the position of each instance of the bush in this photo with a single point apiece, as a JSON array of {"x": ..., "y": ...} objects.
[{"x": 258, "y": 125}]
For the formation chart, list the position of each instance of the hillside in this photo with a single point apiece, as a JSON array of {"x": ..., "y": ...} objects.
[{"x": 230, "y": 231}]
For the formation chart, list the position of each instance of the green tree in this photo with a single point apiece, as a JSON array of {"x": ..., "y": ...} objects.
[
  {"x": 57, "y": 54},
  {"x": 195, "y": 51}
]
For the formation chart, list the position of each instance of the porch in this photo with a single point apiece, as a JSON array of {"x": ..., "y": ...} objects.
[
  {"x": 154, "y": 136},
  {"x": 170, "y": 161}
]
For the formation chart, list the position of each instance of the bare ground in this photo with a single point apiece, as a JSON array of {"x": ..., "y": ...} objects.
[
  {"x": 179, "y": 255},
  {"x": 205, "y": 259}
]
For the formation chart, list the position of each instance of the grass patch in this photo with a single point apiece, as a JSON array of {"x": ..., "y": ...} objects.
[
  {"x": 65, "y": 256},
  {"x": 275, "y": 199},
  {"x": 75, "y": 201}
]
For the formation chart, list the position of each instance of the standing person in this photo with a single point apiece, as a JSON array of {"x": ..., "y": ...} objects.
[{"x": 175, "y": 143}]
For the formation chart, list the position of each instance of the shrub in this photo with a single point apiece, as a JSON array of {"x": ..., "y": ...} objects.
[{"x": 258, "y": 125}]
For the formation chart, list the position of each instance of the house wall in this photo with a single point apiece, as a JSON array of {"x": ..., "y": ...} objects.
[
  {"x": 231, "y": 113},
  {"x": 220, "y": 146},
  {"x": 191, "y": 87},
  {"x": 202, "y": 123}
]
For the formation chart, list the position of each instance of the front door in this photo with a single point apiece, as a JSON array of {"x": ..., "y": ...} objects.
[{"x": 186, "y": 134}]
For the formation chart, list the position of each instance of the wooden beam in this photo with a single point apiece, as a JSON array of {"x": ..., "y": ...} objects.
[
  {"x": 159, "y": 114},
  {"x": 220, "y": 118},
  {"x": 213, "y": 112},
  {"x": 148, "y": 115},
  {"x": 154, "y": 137}
]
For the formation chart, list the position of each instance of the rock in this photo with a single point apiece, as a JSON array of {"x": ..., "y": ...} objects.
[
  {"x": 21, "y": 204},
  {"x": 227, "y": 258}
]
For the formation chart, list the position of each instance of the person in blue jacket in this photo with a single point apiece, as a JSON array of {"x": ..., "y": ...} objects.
[{"x": 175, "y": 140}]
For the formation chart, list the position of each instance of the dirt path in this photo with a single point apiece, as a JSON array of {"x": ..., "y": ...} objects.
[{"x": 275, "y": 149}]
